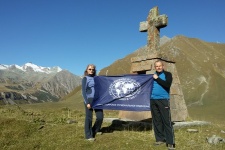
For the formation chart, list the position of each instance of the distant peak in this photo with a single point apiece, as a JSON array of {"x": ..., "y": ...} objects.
[
  {"x": 164, "y": 39},
  {"x": 32, "y": 67}
]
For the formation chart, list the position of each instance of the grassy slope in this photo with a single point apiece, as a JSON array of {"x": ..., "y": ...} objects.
[
  {"x": 37, "y": 127},
  {"x": 202, "y": 77}
]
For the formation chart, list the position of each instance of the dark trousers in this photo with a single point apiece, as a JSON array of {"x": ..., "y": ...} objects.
[
  {"x": 88, "y": 129},
  {"x": 161, "y": 119}
]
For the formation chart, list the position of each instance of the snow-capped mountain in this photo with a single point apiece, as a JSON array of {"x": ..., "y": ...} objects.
[
  {"x": 31, "y": 83},
  {"x": 31, "y": 67}
]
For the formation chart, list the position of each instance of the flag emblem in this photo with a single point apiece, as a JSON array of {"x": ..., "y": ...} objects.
[{"x": 124, "y": 89}]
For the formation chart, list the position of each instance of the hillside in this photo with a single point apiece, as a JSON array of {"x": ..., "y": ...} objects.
[{"x": 201, "y": 69}]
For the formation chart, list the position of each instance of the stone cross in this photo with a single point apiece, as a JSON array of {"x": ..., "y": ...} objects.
[{"x": 152, "y": 26}]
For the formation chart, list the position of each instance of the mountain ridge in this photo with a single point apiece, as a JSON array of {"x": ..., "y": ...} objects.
[
  {"x": 31, "y": 67},
  {"x": 33, "y": 84}
]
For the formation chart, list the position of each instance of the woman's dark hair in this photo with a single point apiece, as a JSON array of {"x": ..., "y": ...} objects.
[{"x": 92, "y": 65}]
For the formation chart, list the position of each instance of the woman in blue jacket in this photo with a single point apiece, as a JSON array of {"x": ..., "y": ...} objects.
[{"x": 88, "y": 92}]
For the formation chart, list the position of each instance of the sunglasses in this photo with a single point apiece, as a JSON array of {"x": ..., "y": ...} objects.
[{"x": 92, "y": 69}]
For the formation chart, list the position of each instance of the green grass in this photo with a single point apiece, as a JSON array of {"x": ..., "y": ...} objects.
[
  {"x": 212, "y": 112},
  {"x": 44, "y": 127}
]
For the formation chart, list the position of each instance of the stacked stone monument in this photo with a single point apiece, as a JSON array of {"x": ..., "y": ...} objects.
[{"x": 144, "y": 64}]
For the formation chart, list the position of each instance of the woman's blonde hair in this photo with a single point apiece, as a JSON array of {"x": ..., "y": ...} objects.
[{"x": 92, "y": 65}]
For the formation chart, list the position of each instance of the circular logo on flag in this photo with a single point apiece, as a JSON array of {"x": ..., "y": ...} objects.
[{"x": 124, "y": 89}]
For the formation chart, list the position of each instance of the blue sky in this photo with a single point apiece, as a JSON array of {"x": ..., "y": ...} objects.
[{"x": 73, "y": 33}]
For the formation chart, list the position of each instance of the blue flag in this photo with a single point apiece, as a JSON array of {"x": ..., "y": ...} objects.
[{"x": 126, "y": 92}]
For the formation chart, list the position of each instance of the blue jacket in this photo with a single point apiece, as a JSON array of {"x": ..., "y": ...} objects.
[
  {"x": 88, "y": 90},
  {"x": 161, "y": 86}
]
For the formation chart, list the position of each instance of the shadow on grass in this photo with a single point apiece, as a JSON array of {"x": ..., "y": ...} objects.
[{"x": 121, "y": 125}]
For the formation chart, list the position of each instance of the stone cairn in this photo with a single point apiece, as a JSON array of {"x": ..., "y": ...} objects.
[{"x": 144, "y": 64}]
